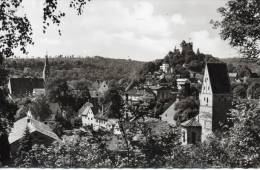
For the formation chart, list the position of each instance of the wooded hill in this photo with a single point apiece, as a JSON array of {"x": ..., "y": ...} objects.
[{"x": 70, "y": 68}]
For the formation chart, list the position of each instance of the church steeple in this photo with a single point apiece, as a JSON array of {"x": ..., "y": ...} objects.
[{"x": 46, "y": 69}]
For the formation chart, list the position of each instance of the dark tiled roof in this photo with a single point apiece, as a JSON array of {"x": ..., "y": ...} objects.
[
  {"x": 191, "y": 123},
  {"x": 24, "y": 86},
  {"x": 219, "y": 79}
]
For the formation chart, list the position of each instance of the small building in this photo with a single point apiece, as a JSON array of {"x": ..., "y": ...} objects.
[
  {"x": 20, "y": 87},
  {"x": 40, "y": 132},
  {"x": 98, "y": 119},
  {"x": 103, "y": 87},
  {"x": 233, "y": 76},
  {"x": 165, "y": 67},
  {"x": 191, "y": 132},
  {"x": 87, "y": 114},
  {"x": 181, "y": 82},
  {"x": 162, "y": 92},
  {"x": 136, "y": 95},
  {"x": 25, "y": 87}
]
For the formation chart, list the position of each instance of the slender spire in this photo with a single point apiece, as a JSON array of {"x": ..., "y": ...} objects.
[{"x": 46, "y": 69}]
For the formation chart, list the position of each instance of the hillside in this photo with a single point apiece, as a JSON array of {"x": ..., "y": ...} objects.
[
  {"x": 253, "y": 64},
  {"x": 68, "y": 68}
]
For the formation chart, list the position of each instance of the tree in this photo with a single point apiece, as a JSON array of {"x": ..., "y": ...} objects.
[
  {"x": 239, "y": 90},
  {"x": 74, "y": 152},
  {"x": 114, "y": 101},
  {"x": 25, "y": 145},
  {"x": 254, "y": 90},
  {"x": 240, "y": 25},
  {"x": 40, "y": 108},
  {"x": 186, "y": 109},
  {"x": 242, "y": 141},
  {"x": 16, "y": 33}
]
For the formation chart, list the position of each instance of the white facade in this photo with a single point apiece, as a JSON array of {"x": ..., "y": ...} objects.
[
  {"x": 181, "y": 82},
  {"x": 206, "y": 105},
  {"x": 88, "y": 117},
  {"x": 38, "y": 92},
  {"x": 165, "y": 67}
]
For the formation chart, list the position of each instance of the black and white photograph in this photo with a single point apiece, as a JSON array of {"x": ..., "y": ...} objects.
[{"x": 130, "y": 84}]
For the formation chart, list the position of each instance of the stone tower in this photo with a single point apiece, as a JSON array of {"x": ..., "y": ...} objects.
[
  {"x": 46, "y": 69},
  {"x": 215, "y": 98}
]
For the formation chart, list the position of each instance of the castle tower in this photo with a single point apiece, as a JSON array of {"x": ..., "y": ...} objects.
[
  {"x": 46, "y": 69},
  {"x": 215, "y": 98}
]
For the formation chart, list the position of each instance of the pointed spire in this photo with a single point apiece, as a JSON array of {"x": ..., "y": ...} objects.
[
  {"x": 46, "y": 69},
  {"x": 198, "y": 51}
]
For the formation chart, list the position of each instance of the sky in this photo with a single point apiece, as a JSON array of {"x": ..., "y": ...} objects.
[{"x": 130, "y": 29}]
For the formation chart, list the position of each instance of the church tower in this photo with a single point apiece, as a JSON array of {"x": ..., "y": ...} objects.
[
  {"x": 46, "y": 69},
  {"x": 215, "y": 98}
]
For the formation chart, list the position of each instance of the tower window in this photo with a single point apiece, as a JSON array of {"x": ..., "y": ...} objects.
[
  {"x": 207, "y": 100},
  {"x": 183, "y": 136}
]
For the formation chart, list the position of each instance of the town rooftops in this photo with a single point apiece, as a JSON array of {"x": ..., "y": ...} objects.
[
  {"x": 19, "y": 128},
  {"x": 24, "y": 86},
  {"x": 219, "y": 79},
  {"x": 191, "y": 123},
  {"x": 158, "y": 87}
]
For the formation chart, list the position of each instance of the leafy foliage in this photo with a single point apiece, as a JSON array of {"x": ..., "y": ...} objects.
[
  {"x": 186, "y": 109},
  {"x": 240, "y": 25}
]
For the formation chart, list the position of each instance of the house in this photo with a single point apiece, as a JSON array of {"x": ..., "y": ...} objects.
[
  {"x": 181, "y": 82},
  {"x": 98, "y": 119},
  {"x": 87, "y": 114},
  {"x": 215, "y": 98},
  {"x": 162, "y": 92},
  {"x": 99, "y": 89},
  {"x": 169, "y": 114},
  {"x": 103, "y": 87},
  {"x": 24, "y": 87},
  {"x": 136, "y": 95},
  {"x": 165, "y": 67},
  {"x": 233, "y": 76},
  {"x": 40, "y": 132},
  {"x": 20, "y": 87},
  {"x": 191, "y": 132}
]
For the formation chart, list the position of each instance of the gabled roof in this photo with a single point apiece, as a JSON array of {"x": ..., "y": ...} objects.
[
  {"x": 19, "y": 128},
  {"x": 87, "y": 105},
  {"x": 23, "y": 86},
  {"x": 44, "y": 129},
  {"x": 105, "y": 114},
  {"x": 170, "y": 112},
  {"x": 219, "y": 80},
  {"x": 191, "y": 123}
]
